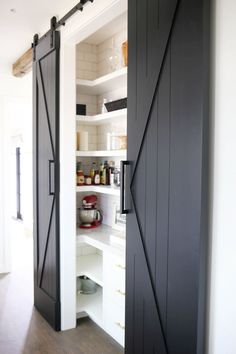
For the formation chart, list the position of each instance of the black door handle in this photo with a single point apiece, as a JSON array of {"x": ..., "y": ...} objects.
[
  {"x": 51, "y": 177},
  {"x": 123, "y": 187}
]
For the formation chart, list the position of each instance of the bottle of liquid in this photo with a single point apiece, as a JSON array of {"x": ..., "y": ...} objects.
[
  {"x": 87, "y": 180},
  {"x": 117, "y": 177},
  {"x": 97, "y": 177},
  {"x": 80, "y": 174},
  {"x": 111, "y": 173},
  {"x": 101, "y": 173},
  {"x": 92, "y": 171},
  {"x": 106, "y": 173}
]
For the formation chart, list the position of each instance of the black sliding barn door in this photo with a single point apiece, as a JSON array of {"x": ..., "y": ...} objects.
[
  {"x": 167, "y": 146},
  {"x": 46, "y": 178}
]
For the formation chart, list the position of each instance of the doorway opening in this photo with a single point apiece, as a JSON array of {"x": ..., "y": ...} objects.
[{"x": 101, "y": 132}]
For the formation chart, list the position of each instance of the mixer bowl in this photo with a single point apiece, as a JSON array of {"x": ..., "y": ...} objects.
[{"x": 87, "y": 216}]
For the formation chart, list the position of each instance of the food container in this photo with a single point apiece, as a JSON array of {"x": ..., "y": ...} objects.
[
  {"x": 87, "y": 180},
  {"x": 118, "y": 142},
  {"x": 83, "y": 144},
  {"x": 123, "y": 142},
  {"x": 117, "y": 177},
  {"x": 125, "y": 53},
  {"x": 86, "y": 285},
  {"x": 77, "y": 140}
]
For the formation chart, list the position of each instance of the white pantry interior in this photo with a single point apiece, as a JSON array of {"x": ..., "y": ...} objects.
[{"x": 101, "y": 77}]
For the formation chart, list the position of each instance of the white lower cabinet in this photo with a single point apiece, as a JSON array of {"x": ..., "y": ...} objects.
[
  {"x": 114, "y": 296},
  {"x": 114, "y": 321},
  {"x": 107, "y": 306}
]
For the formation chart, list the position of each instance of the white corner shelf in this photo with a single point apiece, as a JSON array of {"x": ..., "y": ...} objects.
[
  {"x": 103, "y": 238},
  {"x": 101, "y": 153},
  {"x": 92, "y": 305},
  {"x": 104, "y": 118},
  {"x": 91, "y": 266},
  {"x": 99, "y": 189},
  {"x": 106, "y": 83}
]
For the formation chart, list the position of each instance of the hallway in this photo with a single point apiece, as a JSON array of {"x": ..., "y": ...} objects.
[{"x": 23, "y": 330}]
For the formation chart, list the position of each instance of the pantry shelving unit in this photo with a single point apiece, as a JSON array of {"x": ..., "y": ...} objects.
[
  {"x": 109, "y": 82},
  {"x": 104, "y": 243},
  {"x": 91, "y": 265}
]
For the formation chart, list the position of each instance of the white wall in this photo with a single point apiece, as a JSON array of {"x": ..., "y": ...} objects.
[
  {"x": 14, "y": 94},
  {"x": 77, "y": 29},
  {"x": 222, "y": 333}
]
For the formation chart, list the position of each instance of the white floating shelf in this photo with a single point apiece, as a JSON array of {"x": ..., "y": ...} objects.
[
  {"x": 91, "y": 266},
  {"x": 92, "y": 305},
  {"x": 104, "y": 118},
  {"x": 99, "y": 189},
  {"x": 102, "y": 153},
  {"x": 109, "y": 82}
]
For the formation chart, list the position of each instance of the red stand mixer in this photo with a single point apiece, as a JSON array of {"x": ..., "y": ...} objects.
[{"x": 89, "y": 216}]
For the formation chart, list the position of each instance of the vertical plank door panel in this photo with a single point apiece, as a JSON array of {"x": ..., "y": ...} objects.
[
  {"x": 46, "y": 178},
  {"x": 167, "y": 145}
]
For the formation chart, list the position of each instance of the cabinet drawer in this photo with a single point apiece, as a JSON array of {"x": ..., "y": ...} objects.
[
  {"x": 117, "y": 263},
  {"x": 114, "y": 322},
  {"x": 114, "y": 271},
  {"x": 115, "y": 294},
  {"x": 114, "y": 280}
]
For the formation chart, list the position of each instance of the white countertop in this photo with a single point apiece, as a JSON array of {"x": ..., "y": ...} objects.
[{"x": 103, "y": 238}]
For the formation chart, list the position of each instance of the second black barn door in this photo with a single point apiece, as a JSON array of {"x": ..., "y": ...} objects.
[
  {"x": 167, "y": 147},
  {"x": 46, "y": 178}
]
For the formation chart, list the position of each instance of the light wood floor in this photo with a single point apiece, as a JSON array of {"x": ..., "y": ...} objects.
[{"x": 24, "y": 331}]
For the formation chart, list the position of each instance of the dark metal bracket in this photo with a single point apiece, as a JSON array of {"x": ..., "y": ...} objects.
[
  {"x": 34, "y": 44},
  {"x": 54, "y": 24},
  {"x": 78, "y": 7}
]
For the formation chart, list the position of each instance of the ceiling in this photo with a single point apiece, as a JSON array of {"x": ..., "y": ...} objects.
[
  {"x": 113, "y": 27},
  {"x": 28, "y": 17}
]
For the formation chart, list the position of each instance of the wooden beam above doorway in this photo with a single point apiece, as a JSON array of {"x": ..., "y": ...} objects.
[{"x": 23, "y": 65}]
